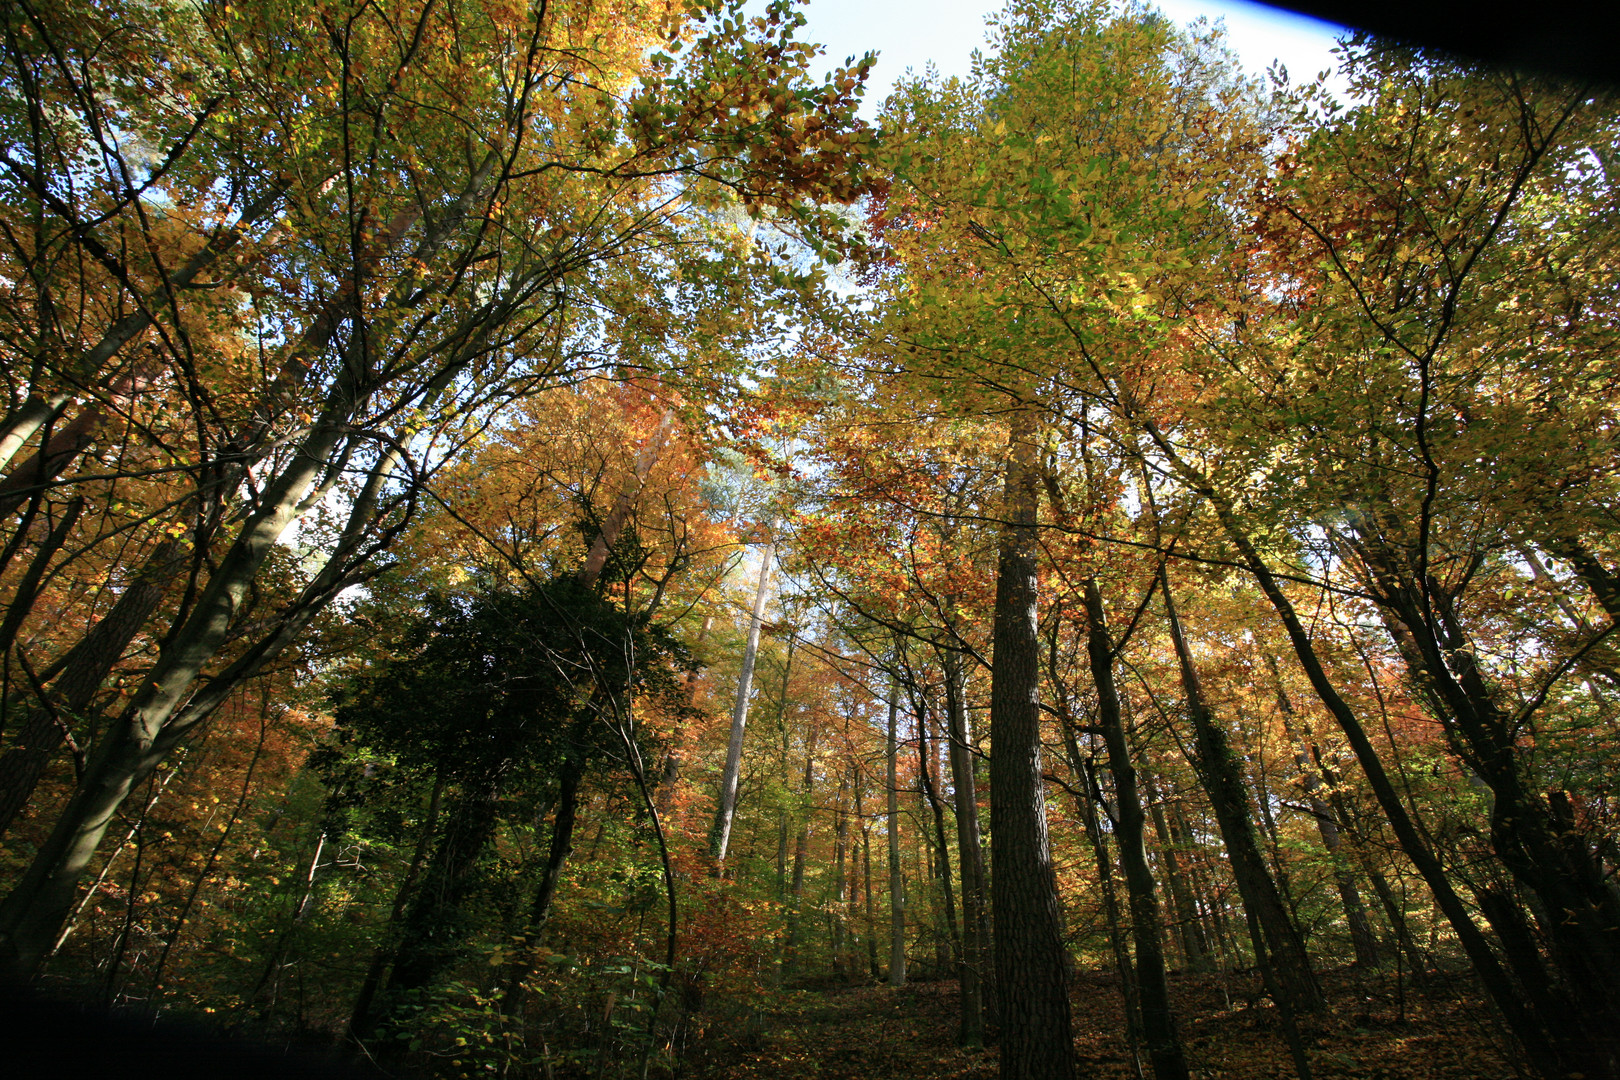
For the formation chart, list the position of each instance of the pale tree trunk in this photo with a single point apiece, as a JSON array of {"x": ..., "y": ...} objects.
[
  {"x": 160, "y": 717},
  {"x": 20, "y": 425},
  {"x": 720, "y": 838},
  {"x": 897, "y": 885},
  {"x": 1032, "y": 963},
  {"x": 866, "y": 881}
]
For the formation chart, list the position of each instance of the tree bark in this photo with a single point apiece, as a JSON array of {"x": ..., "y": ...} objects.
[
  {"x": 1153, "y": 990},
  {"x": 1218, "y": 769},
  {"x": 897, "y": 883},
  {"x": 1032, "y": 963},
  {"x": 976, "y": 947}
]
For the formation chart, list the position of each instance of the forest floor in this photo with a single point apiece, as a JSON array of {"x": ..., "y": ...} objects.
[{"x": 1371, "y": 1030}]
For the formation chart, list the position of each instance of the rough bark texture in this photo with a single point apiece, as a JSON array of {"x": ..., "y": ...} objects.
[{"x": 1031, "y": 961}]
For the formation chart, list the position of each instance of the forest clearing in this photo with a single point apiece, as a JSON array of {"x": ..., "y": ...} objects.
[{"x": 548, "y": 538}]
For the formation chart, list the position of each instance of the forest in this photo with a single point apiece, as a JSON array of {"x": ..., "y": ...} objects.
[{"x": 539, "y": 539}]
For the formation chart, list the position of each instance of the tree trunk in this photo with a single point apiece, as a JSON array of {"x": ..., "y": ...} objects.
[
  {"x": 720, "y": 838},
  {"x": 952, "y": 939},
  {"x": 1194, "y": 943},
  {"x": 1032, "y": 963},
  {"x": 977, "y": 956},
  {"x": 83, "y": 670},
  {"x": 897, "y": 884},
  {"x": 840, "y": 887},
  {"x": 1218, "y": 769},
  {"x": 1158, "y": 1020},
  {"x": 1355, "y": 913}
]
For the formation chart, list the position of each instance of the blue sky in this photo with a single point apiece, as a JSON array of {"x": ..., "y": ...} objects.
[{"x": 910, "y": 33}]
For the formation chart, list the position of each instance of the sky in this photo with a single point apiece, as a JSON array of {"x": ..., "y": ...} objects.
[{"x": 910, "y": 33}]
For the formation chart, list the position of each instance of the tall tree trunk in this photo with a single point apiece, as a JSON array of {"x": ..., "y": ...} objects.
[
  {"x": 976, "y": 948},
  {"x": 1190, "y": 927},
  {"x": 952, "y": 938},
  {"x": 839, "y": 907},
  {"x": 1032, "y": 963},
  {"x": 361, "y": 1020},
  {"x": 1158, "y": 1020},
  {"x": 1088, "y": 804},
  {"x": 720, "y": 838},
  {"x": 1355, "y": 913},
  {"x": 873, "y": 968},
  {"x": 1218, "y": 769},
  {"x": 897, "y": 883},
  {"x": 83, "y": 670},
  {"x": 801, "y": 851},
  {"x": 1553, "y": 1049},
  {"x": 545, "y": 893}
]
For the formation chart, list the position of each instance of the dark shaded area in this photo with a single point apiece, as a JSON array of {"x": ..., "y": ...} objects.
[
  {"x": 1573, "y": 39},
  {"x": 43, "y": 1038}
]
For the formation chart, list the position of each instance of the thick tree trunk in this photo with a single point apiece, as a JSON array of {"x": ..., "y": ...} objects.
[
  {"x": 1032, "y": 963},
  {"x": 83, "y": 670},
  {"x": 1153, "y": 990}
]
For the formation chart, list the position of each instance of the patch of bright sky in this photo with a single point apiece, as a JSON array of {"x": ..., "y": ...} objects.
[{"x": 911, "y": 33}]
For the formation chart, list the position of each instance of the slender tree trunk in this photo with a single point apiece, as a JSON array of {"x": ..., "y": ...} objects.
[
  {"x": 1194, "y": 943},
  {"x": 1032, "y": 963},
  {"x": 897, "y": 884},
  {"x": 1218, "y": 770},
  {"x": 840, "y": 887},
  {"x": 1553, "y": 1051},
  {"x": 1088, "y": 806},
  {"x": 977, "y": 966},
  {"x": 872, "y": 965},
  {"x": 720, "y": 838},
  {"x": 545, "y": 894},
  {"x": 801, "y": 851},
  {"x": 1158, "y": 1019},
  {"x": 361, "y": 1020},
  {"x": 1355, "y": 913},
  {"x": 952, "y": 939}
]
